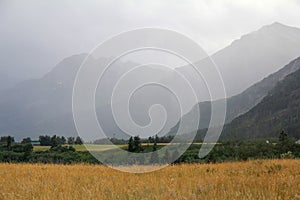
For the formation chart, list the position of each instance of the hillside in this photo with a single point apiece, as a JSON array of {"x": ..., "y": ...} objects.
[
  {"x": 279, "y": 110},
  {"x": 250, "y": 68},
  {"x": 251, "y": 58},
  {"x": 240, "y": 104},
  {"x": 44, "y": 105}
]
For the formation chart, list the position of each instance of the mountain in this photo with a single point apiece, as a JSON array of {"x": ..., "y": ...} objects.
[
  {"x": 17, "y": 64},
  {"x": 256, "y": 55},
  {"x": 44, "y": 105},
  {"x": 279, "y": 110},
  {"x": 251, "y": 58},
  {"x": 240, "y": 104},
  {"x": 246, "y": 62},
  {"x": 25, "y": 107}
]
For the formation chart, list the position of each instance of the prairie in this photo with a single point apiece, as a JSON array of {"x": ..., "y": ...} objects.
[{"x": 257, "y": 179}]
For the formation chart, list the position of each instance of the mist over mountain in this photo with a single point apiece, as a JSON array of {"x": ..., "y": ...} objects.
[
  {"x": 246, "y": 62},
  {"x": 238, "y": 104},
  {"x": 19, "y": 63},
  {"x": 256, "y": 55},
  {"x": 251, "y": 58},
  {"x": 279, "y": 110},
  {"x": 44, "y": 106},
  {"x": 25, "y": 107}
]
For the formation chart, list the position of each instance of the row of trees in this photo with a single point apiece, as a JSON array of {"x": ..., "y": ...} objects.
[
  {"x": 11, "y": 151},
  {"x": 163, "y": 139},
  {"x": 45, "y": 140},
  {"x": 56, "y": 140},
  {"x": 232, "y": 150},
  {"x": 4, "y": 139}
]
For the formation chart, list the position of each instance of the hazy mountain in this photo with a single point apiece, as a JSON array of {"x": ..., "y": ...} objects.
[
  {"x": 25, "y": 107},
  {"x": 43, "y": 106},
  {"x": 17, "y": 64},
  {"x": 245, "y": 62},
  {"x": 256, "y": 55},
  {"x": 251, "y": 58},
  {"x": 279, "y": 110},
  {"x": 240, "y": 104}
]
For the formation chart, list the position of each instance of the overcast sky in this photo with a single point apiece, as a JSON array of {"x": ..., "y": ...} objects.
[{"x": 35, "y": 34}]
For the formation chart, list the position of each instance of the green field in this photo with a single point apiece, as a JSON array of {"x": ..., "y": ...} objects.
[{"x": 91, "y": 147}]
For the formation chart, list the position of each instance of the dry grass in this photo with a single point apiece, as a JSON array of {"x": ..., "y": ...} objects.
[{"x": 271, "y": 179}]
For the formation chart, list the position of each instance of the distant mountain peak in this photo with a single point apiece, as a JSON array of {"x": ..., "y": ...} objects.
[
  {"x": 274, "y": 28},
  {"x": 277, "y": 27},
  {"x": 277, "y": 24}
]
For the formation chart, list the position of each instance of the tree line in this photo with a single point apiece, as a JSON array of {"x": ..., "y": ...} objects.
[
  {"x": 227, "y": 150},
  {"x": 61, "y": 150},
  {"x": 46, "y": 140},
  {"x": 230, "y": 150}
]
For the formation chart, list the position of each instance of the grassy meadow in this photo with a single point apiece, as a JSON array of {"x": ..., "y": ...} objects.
[
  {"x": 91, "y": 147},
  {"x": 258, "y": 179}
]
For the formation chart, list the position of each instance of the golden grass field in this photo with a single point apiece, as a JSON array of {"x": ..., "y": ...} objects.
[{"x": 269, "y": 179}]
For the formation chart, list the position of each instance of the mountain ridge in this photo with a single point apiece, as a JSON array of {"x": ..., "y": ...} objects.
[
  {"x": 241, "y": 103},
  {"x": 279, "y": 110},
  {"x": 42, "y": 105}
]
